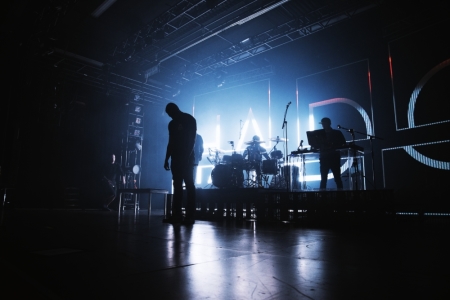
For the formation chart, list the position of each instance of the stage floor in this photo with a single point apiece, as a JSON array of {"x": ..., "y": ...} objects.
[{"x": 74, "y": 254}]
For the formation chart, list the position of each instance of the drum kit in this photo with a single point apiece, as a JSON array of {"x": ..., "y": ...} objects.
[{"x": 228, "y": 171}]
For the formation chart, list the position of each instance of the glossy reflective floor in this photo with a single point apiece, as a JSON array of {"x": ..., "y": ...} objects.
[{"x": 61, "y": 254}]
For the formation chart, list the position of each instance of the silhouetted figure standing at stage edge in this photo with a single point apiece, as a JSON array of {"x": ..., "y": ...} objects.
[
  {"x": 180, "y": 149},
  {"x": 330, "y": 158}
]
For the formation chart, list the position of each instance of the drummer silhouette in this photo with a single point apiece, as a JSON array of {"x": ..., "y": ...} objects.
[{"x": 255, "y": 153}]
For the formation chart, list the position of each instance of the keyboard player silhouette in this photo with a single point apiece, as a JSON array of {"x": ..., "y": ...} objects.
[{"x": 327, "y": 141}]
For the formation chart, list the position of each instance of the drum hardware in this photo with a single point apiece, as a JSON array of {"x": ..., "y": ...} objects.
[
  {"x": 275, "y": 153},
  {"x": 278, "y": 139},
  {"x": 277, "y": 182},
  {"x": 253, "y": 181},
  {"x": 214, "y": 156},
  {"x": 254, "y": 142}
]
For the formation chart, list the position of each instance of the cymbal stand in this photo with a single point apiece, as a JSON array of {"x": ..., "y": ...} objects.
[
  {"x": 303, "y": 163},
  {"x": 288, "y": 185},
  {"x": 274, "y": 148},
  {"x": 354, "y": 161},
  {"x": 232, "y": 147},
  {"x": 371, "y": 137}
]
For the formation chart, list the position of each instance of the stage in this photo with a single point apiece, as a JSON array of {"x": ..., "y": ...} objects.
[
  {"x": 271, "y": 205},
  {"x": 264, "y": 205}
]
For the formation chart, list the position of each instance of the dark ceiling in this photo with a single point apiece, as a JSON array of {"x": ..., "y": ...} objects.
[{"x": 152, "y": 48}]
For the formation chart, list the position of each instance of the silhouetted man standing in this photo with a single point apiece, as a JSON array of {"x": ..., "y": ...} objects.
[
  {"x": 180, "y": 149},
  {"x": 330, "y": 158}
]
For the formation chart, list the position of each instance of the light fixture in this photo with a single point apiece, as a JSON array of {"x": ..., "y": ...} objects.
[
  {"x": 138, "y": 146},
  {"x": 136, "y": 169}
]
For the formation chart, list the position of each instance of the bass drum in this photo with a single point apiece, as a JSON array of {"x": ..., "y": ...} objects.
[
  {"x": 225, "y": 176},
  {"x": 221, "y": 176}
]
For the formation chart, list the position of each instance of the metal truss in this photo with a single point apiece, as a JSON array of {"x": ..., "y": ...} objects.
[
  {"x": 271, "y": 39},
  {"x": 97, "y": 75},
  {"x": 241, "y": 78},
  {"x": 182, "y": 25}
]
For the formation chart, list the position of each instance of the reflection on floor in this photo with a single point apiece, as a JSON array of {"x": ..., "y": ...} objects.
[{"x": 74, "y": 254}]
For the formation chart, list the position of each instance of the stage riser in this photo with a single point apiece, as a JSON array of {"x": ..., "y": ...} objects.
[{"x": 263, "y": 205}]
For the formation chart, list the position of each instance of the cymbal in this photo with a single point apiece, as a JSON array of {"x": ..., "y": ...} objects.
[
  {"x": 253, "y": 142},
  {"x": 215, "y": 150},
  {"x": 278, "y": 139}
]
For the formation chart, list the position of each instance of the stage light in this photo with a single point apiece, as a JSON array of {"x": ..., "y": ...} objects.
[
  {"x": 244, "y": 132},
  {"x": 152, "y": 71},
  {"x": 247, "y": 43},
  {"x": 138, "y": 121},
  {"x": 136, "y": 169},
  {"x": 311, "y": 122},
  {"x": 256, "y": 127},
  {"x": 138, "y": 146},
  {"x": 137, "y": 109}
]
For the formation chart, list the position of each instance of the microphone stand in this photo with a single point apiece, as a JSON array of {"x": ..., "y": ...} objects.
[
  {"x": 286, "y": 159},
  {"x": 302, "y": 156},
  {"x": 371, "y": 137}
]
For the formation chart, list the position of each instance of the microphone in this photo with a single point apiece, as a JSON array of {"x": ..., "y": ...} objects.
[
  {"x": 339, "y": 126},
  {"x": 289, "y": 103}
]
